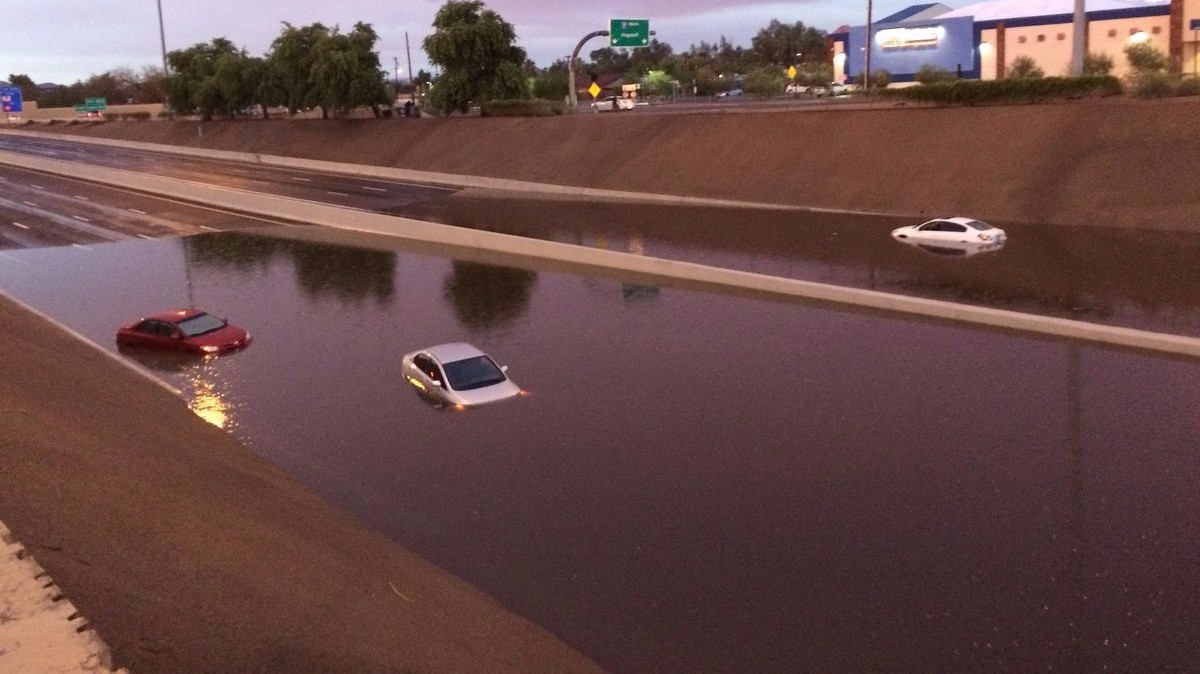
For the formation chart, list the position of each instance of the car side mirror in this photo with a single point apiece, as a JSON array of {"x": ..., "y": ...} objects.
[
  {"x": 504, "y": 368},
  {"x": 437, "y": 382}
]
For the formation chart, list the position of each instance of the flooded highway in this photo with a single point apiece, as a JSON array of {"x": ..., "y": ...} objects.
[
  {"x": 1132, "y": 278},
  {"x": 707, "y": 482}
]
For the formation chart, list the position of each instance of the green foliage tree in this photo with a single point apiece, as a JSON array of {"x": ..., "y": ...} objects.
[
  {"x": 29, "y": 90},
  {"x": 784, "y": 44},
  {"x": 210, "y": 78},
  {"x": 291, "y": 61},
  {"x": 765, "y": 81},
  {"x": 1145, "y": 58},
  {"x": 551, "y": 83},
  {"x": 346, "y": 71},
  {"x": 1025, "y": 68},
  {"x": 476, "y": 51},
  {"x": 1097, "y": 64},
  {"x": 658, "y": 83}
]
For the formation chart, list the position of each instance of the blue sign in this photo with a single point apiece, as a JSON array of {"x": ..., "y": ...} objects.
[{"x": 10, "y": 99}]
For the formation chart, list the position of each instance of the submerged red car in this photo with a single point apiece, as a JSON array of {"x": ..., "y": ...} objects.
[{"x": 184, "y": 330}]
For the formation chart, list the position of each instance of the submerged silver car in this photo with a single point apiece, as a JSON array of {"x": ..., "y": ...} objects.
[{"x": 457, "y": 374}]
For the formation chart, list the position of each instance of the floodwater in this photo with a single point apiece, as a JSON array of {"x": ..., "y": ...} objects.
[
  {"x": 1132, "y": 278},
  {"x": 697, "y": 481}
]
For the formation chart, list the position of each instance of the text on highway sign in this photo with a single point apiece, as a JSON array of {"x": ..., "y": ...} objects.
[{"x": 629, "y": 32}]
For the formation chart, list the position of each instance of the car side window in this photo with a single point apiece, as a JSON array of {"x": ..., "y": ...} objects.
[
  {"x": 165, "y": 330},
  {"x": 952, "y": 227},
  {"x": 931, "y": 227},
  {"x": 426, "y": 365},
  {"x": 146, "y": 328}
]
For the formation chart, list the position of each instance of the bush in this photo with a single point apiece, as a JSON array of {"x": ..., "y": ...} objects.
[
  {"x": 930, "y": 74},
  {"x": 1097, "y": 64},
  {"x": 1154, "y": 85},
  {"x": 110, "y": 116},
  {"x": 140, "y": 116},
  {"x": 1146, "y": 58},
  {"x": 1189, "y": 86},
  {"x": 536, "y": 107},
  {"x": 982, "y": 92},
  {"x": 880, "y": 79},
  {"x": 1025, "y": 68}
]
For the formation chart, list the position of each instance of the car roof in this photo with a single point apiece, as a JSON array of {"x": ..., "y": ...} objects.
[
  {"x": 174, "y": 315},
  {"x": 958, "y": 220},
  {"x": 453, "y": 351}
]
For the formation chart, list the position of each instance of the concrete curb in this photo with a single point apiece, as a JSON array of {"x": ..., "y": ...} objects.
[
  {"x": 668, "y": 270},
  {"x": 40, "y": 631}
]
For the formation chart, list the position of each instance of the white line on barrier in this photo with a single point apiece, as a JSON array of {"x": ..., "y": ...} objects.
[
  {"x": 30, "y": 203},
  {"x": 211, "y": 229},
  {"x": 80, "y": 218},
  {"x": 20, "y": 225},
  {"x": 145, "y": 236}
]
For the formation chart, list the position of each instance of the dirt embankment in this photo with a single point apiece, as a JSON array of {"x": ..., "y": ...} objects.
[{"x": 1110, "y": 163}]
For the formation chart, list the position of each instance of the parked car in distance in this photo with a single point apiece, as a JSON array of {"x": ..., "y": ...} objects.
[
  {"x": 956, "y": 231},
  {"x": 612, "y": 104},
  {"x": 188, "y": 330},
  {"x": 833, "y": 89},
  {"x": 734, "y": 92},
  {"x": 457, "y": 374}
]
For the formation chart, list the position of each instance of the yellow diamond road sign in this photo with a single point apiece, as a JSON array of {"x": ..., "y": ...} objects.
[
  {"x": 792, "y": 72},
  {"x": 594, "y": 90}
]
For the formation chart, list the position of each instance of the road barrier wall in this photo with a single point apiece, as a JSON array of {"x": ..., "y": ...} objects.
[{"x": 667, "y": 271}]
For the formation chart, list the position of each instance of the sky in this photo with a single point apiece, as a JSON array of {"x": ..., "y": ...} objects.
[{"x": 63, "y": 41}]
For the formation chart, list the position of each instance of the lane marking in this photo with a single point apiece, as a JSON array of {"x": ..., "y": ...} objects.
[
  {"x": 80, "y": 218},
  {"x": 211, "y": 229},
  {"x": 80, "y": 246},
  {"x": 303, "y": 180},
  {"x": 80, "y": 196},
  {"x": 374, "y": 189},
  {"x": 145, "y": 236},
  {"x": 336, "y": 194},
  {"x": 36, "y": 187},
  {"x": 21, "y": 226},
  {"x": 137, "y": 211},
  {"x": 30, "y": 203}
]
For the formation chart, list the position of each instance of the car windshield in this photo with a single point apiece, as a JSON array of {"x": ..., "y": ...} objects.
[
  {"x": 473, "y": 373},
  {"x": 200, "y": 324}
]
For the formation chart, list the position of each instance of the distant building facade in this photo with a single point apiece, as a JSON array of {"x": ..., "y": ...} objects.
[{"x": 981, "y": 40}]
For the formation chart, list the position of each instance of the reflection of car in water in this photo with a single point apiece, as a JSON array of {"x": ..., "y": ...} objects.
[
  {"x": 189, "y": 330},
  {"x": 955, "y": 250},
  {"x": 612, "y": 104},
  {"x": 457, "y": 374}
]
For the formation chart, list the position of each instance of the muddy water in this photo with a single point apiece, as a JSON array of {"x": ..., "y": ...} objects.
[
  {"x": 701, "y": 482},
  {"x": 1133, "y": 278}
]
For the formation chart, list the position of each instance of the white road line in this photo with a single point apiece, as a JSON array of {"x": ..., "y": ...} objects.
[
  {"x": 145, "y": 236},
  {"x": 80, "y": 196},
  {"x": 137, "y": 211},
  {"x": 303, "y": 180},
  {"x": 211, "y": 229},
  {"x": 374, "y": 189},
  {"x": 30, "y": 203},
  {"x": 37, "y": 187},
  {"x": 336, "y": 194},
  {"x": 21, "y": 226},
  {"x": 80, "y": 218},
  {"x": 80, "y": 246}
]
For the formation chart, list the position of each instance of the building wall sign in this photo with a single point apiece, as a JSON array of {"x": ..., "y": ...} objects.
[{"x": 907, "y": 38}]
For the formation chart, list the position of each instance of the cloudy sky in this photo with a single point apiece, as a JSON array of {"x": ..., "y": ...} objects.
[{"x": 67, "y": 40}]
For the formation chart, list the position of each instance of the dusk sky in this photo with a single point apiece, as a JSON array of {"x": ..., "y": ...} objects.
[{"x": 63, "y": 41}]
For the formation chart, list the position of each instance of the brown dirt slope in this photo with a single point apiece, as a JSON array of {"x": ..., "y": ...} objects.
[
  {"x": 1111, "y": 162},
  {"x": 188, "y": 553}
]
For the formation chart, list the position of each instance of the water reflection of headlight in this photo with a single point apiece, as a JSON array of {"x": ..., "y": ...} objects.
[{"x": 207, "y": 403}]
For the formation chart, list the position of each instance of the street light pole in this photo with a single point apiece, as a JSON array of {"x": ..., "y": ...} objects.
[
  {"x": 162, "y": 38},
  {"x": 867, "y": 69}
]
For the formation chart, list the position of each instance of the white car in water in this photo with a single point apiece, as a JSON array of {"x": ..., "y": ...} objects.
[
  {"x": 457, "y": 374},
  {"x": 952, "y": 232},
  {"x": 612, "y": 104}
]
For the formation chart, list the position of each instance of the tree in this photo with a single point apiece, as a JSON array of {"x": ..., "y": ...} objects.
[
  {"x": 211, "y": 78},
  {"x": 931, "y": 74},
  {"x": 346, "y": 71},
  {"x": 29, "y": 90},
  {"x": 476, "y": 50},
  {"x": 781, "y": 44},
  {"x": 552, "y": 82},
  {"x": 1097, "y": 64},
  {"x": 291, "y": 61},
  {"x": 765, "y": 81},
  {"x": 1145, "y": 58}
]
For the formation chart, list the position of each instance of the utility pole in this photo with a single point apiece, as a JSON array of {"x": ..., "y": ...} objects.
[
  {"x": 409, "y": 51},
  {"x": 162, "y": 38},
  {"x": 1079, "y": 35},
  {"x": 396, "y": 72},
  {"x": 867, "y": 70}
]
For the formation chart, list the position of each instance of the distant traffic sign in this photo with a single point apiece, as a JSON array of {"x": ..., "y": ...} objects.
[
  {"x": 92, "y": 105},
  {"x": 10, "y": 99},
  {"x": 629, "y": 32},
  {"x": 594, "y": 90}
]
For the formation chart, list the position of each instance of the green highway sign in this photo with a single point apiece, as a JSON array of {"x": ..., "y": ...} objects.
[
  {"x": 92, "y": 105},
  {"x": 629, "y": 32}
]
